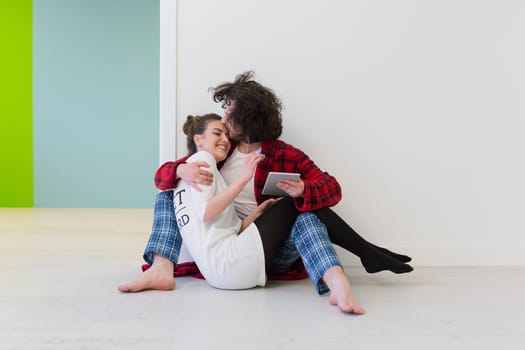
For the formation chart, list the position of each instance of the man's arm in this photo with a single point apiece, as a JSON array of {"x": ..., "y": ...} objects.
[
  {"x": 169, "y": 174},
  {"x": 320, "y": 189},
  {"x": 166, "y": 176}
]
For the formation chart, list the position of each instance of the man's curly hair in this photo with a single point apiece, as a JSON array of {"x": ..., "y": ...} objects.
[{"x": 257, "y": 112}]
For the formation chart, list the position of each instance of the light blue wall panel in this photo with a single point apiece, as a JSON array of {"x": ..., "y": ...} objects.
[{"x": 95, "y": 97}]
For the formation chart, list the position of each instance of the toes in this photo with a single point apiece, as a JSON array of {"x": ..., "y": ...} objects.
[
  {"x": 357, "y": 310},
  {"x": 123, "y": 288}
]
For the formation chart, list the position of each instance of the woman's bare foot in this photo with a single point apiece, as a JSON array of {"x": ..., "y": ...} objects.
[
  {"x": 340, "y": 292},
  {"x": 159, "y": 277}
]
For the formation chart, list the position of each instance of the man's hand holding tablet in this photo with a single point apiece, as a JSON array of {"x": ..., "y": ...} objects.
[{"x": 270, "y": 187}]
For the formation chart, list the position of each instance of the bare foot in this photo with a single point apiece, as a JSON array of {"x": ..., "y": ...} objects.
[
  {"x": 340, "y": 292},
  {"x": 158, "y": 277}
]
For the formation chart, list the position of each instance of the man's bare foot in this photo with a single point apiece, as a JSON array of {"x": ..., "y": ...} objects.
[
  {"x": 340, "y": 292},
  {"x": 158, "y": 277}
]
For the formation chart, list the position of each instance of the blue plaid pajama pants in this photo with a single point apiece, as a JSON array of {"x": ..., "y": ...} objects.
[
  {"x": 165, "y": 238},
  {"x": 308, "y": 240}
]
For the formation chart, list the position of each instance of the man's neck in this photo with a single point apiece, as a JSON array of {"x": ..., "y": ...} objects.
[{"x": 248, "y": 147}]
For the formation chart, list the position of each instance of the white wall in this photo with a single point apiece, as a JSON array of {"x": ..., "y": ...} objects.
[{"x": 415, "y": 106}]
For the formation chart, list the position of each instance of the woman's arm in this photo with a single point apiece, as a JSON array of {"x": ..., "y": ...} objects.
[
  {"x": 261, "y": 208},
  {"x": 216, "y": 204}
]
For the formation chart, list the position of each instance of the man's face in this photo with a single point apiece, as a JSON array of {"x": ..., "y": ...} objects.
[{"x": 228, "y": 109}]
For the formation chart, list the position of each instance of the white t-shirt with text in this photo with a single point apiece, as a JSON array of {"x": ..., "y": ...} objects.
[{"x": 226, "y": 259}]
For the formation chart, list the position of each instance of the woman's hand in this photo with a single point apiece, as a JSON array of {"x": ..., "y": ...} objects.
[
  {"x": 261, "y": 208},
  {"x": 250, "y": 163},
  {"x": 192, "y": 174},
  {"x": 294, "y": 188}
]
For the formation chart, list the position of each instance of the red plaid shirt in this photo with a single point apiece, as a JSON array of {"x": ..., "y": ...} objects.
[{"x": 320, "y": 189}]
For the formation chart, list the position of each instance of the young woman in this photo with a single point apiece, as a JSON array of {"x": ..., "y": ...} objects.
[{"x": 232, "y": 253}]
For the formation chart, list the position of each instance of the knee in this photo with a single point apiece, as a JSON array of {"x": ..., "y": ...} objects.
[
  {"x": 306, "y": 218},
  {"x": 305, "y": 222},
  {"x": 164, "y": 196},
  {"x": 164, "y": 202}
]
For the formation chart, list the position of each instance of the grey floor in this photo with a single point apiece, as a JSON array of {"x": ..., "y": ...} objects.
[{"x": 60, "y": 269}]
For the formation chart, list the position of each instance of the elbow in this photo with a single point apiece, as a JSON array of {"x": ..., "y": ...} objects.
[
  {"x": 165, "y": 176},
  {"x": 161, "y": 185}
]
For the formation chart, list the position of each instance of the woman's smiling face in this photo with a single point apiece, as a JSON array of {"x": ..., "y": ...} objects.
[{"x": 214, "y": 139}]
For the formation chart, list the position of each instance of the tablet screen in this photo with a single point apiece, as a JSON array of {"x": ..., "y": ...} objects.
[{"x": 270, "y": 186}]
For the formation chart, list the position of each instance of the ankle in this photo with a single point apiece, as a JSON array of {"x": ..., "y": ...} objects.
[
  {"x": 162, "y": 262},
  {"x": 333, "y": 274}
]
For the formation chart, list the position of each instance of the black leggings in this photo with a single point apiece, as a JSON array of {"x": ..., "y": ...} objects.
[{"x": 275, "y": 226}]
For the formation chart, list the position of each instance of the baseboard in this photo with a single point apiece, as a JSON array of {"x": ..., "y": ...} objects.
[{"x": 451, "y": 256}]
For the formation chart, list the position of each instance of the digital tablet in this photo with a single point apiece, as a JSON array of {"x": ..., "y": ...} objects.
[{"x": 273, "y": 178}]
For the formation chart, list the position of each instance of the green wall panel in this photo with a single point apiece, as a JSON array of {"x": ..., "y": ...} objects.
[{"x": 16, "y": 158}]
